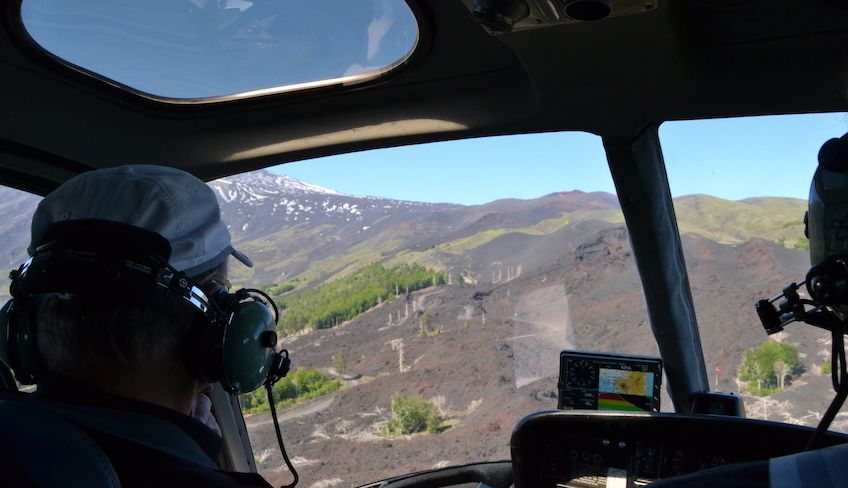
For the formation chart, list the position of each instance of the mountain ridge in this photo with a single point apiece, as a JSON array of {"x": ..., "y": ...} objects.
[{"x": 295, "y": 229}]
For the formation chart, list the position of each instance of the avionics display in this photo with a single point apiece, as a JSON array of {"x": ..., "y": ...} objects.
[{"x": 591, "y": 381}]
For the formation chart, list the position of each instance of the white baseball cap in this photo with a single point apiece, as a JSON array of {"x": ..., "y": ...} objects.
[{"x": 175, "y": 204}]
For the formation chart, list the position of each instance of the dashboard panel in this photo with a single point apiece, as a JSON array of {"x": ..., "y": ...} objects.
[
  {"x": 603, "y": 381},
  {"x": 584, "y": 449}
]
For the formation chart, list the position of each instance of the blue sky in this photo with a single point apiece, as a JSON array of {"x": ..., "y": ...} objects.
[
  {"x": 247, "y": 45},
  {"x": 728, "y": 158}
]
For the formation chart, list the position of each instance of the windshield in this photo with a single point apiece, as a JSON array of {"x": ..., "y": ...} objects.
[
  {"x": 428, "y": 291},
  {"x": 213, "y": 49},
  {"x": 740, "y": 188}
]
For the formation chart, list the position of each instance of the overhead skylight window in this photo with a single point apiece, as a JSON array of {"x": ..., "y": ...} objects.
[{"x": 202, "y": 50}]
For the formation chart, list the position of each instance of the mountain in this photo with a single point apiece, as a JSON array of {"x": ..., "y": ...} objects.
[
  {"x": 311, "y": 234},
  {"x": 778, "y": 220},
  {"x": 16, "y": 209},
  {"x": 304, "y": 232},
  {"x": 299, "y": 231}
]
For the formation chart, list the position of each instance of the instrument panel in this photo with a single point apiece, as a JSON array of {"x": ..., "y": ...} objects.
[
  {"x": 593, "y": 381},
  {"x": 581, "y": 449}
]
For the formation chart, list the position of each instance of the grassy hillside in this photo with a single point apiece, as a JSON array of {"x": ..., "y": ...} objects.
[
  {"x": 544, "y": 227},
  {"x": 308, "y": 254},
  {"x": 778, "y": 220}
]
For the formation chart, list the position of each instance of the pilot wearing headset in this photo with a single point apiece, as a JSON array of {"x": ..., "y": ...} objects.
[{"x": 123, "y": 318}]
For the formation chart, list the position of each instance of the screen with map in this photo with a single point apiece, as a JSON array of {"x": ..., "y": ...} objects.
[{"x": 592, "y": 381}]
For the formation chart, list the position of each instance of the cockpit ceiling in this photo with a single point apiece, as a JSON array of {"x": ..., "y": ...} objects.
[{"x": 681, "y": 60}]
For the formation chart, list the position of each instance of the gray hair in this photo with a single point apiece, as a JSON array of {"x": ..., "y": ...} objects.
[{"x": 88, "y": 336}]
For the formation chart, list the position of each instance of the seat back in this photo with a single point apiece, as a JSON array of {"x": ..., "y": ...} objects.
[
  {"x": 822, "y": 468},
  {"x": 47, "y": 443},
  {"x": 41, "y": 448}
]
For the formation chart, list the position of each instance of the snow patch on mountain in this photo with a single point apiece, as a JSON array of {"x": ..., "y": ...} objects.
[
  {"x": 260, "y": 185},
  {"x": 287, "y": 199}
]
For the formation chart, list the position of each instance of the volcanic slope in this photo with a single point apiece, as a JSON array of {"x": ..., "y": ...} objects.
[
  {"x": 494, "y": 358},
  {"x": 311, "y": 234},
  {"x": 485, "y": 355},
  {"x": 299, "y": 231}
]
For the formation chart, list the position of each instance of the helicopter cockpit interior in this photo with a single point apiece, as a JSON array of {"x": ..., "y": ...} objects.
[{"x": 239, "y": 92}]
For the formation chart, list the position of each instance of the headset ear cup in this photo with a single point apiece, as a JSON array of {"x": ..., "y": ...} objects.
[
  {"x": 19, "y": 343},
  {"x": 7, "y": 335},
  {"x": 248, "y": 347},
  {"x": 31, "y": 364}
]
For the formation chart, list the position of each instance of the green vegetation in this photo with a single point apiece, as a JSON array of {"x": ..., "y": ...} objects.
[
  {"x": 345, "y": 298},
  {"x": 802, "y": 243},
  {"x": 827, "y": 368},
  {"x": 769, "y": 368},
  {"x": 302, "y": 385},
  {"x": 412, "y": 414},
  {"x": 426, "y": 327},
  {"x": 548, "y": 226},
  {"x": 543, "y": 227},
  {"x": 340, "y": 363},
  {"x": 779, "y": 220},
  {"x": 464, "y": 244},
  {"x": 277, "y": 290}
]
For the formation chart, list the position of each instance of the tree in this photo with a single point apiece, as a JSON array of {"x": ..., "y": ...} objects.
[
  {"x": 781, "y": 371},
  {"x": 412, "y": 414},
  {"x": 345, "y": 298},
  {"x": 827, "y": 367},
  {"x": 303, "y": 384},
  {"x": 426, "y": 328},
  {"x": 770, "y": 368},
  {"x": 340, "y": 363}
]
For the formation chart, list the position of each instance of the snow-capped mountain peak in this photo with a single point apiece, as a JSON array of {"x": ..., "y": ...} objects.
[
  {"x": 259, "y": 185},
  {"x": 256, "y": 203}
]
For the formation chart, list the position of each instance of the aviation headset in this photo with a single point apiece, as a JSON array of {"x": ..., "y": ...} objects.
[
  {"x": 826, "y": 225},
  {"x": 234, "y": 338}
]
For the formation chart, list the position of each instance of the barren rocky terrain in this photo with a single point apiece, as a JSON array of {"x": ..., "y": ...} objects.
[{"x": 485, "y": 376}]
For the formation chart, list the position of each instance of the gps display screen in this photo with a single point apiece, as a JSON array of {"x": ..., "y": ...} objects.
[{"x": 592, "y": 381}]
